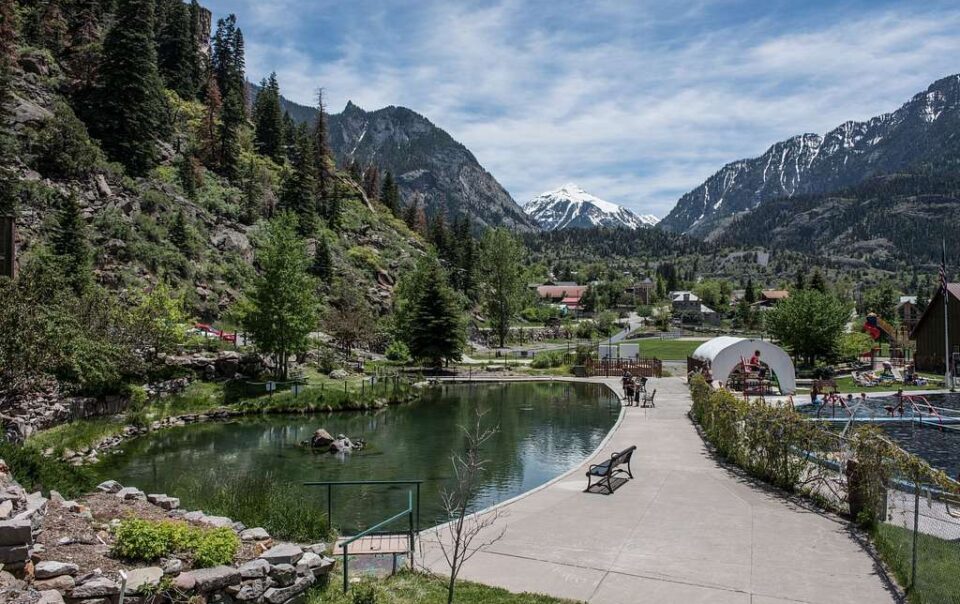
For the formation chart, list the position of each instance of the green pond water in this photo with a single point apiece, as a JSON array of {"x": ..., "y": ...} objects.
[{"x": 544, "y": 430}]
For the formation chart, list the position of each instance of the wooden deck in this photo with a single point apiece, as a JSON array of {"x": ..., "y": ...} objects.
[{"x": 375, "y": 544}]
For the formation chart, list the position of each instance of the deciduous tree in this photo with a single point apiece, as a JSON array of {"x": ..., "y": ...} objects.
[{"x": 501, "y": 280}]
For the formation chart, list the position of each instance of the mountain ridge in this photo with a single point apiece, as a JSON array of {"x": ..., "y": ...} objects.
[{"x": 920, "y": 132}]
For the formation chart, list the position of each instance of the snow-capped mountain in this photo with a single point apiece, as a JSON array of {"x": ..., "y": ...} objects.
[
  {"x": 571, "y": 207},
  {"x": 921, "y": 132}
]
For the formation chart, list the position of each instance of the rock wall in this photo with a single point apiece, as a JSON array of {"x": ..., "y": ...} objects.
[{"x": 275, "y": 573}]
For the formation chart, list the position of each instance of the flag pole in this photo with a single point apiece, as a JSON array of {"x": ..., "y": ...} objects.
[{"x": 947, "y": 377}]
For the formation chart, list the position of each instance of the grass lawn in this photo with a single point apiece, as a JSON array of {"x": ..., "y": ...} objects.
[
  {"x": 666, "y": 350},
  {"x": 938, "y": 563},
  {"x": 415, "y": 588}
]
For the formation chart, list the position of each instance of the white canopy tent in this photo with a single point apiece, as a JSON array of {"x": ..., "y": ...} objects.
[{"x": 725, "y": 353}]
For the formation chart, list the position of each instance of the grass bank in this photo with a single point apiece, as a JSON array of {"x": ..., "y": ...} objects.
[
  {"x": 416, "y": 588},
  {"x": 938, "y": 563},
  {"x": 666, "y": 350},
  {"x": 847, "y": 385}
]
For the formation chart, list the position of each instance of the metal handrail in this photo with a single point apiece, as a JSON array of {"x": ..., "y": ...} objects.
[
  {"x": 407, "y": 512},
  {"x": 335, "y": 483}
]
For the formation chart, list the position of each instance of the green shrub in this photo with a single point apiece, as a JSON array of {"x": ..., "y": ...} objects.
[
  {"x": 364, "y": 593},
  {"x": 547, "y": 360},
  {"x": 214, "y": 547},
  {"x": 63, "y": 147},
  {"x": 398, "y": 352},
  {"x": 148, "y": 540}
]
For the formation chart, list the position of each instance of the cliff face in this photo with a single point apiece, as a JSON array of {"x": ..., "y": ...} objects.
[{"x": 428, "y": 164}]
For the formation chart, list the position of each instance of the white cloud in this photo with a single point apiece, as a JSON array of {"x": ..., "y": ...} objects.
[{"x": 636, "y": 103}]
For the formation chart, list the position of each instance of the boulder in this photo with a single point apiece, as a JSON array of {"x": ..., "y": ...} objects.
[
  {"x": 102, "y": 187},
  {"x": 61, "y": 583},
  {"x": 50, "y": 596},
  {"x": 14, "y": 554},
  {"x": 142, "y": 577},
  {"x": 279, "y": 595},
  {"x": 316, "y": 548},
  {"x": 171, "y": 566},
  {"x": 284, "y": 574},
  {"x": 283, "y": 553},
  {"x": 251, "y": 590},
  {"x": 216, "y": 521},
  {"x": 131, "y": 494},
  {"x": 321, "y": 439},
  {"x": 254, "y": 534},
  {"x": 97, "y": 587},
  {"x": 255, "y": 569},
  {"x": 341, "y": 445},
  {"x": 18, "y": 531},
  {"x": 212, "y": 579},
  {"x": 49, "y": 569},
  {"x": 339, "y": 374}
]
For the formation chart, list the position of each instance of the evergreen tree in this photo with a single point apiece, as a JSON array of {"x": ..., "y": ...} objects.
[
  {"x": 196, "y": 36},
  {"x": 177, "y": 50},
  {"x": 9, "y": 183},
  {"x": 751, "y": 292},
  {"x": 299, "y": 192},
  {"x": 323, "y": 155},
  {"x": 322, "y": 267},
  {"x": 228, "y": 69},
  {"x": 923, "y": 294},
  {"x": 390, "y": 193},
  {"x": 438, "y": 235},
  {"x": 71, "y": 246},
  {"x": 280, "y": 310},
  {"x": 429, "y": 314},
  {"x": 289, "y": 131},
  {"x": 268, "y": 119},
  {"x": 210, "y": 131},
  {"x": 130, "y": 102},
  {"x": 187, "y": 172},
  {"x": 353, "y": 169},
  {"x": 501, "y": 277},
  {"x": 179, "y": 236},
  {"x": 411, "y": 211},
  {"x": 800, "y": 282},
  {"x": 817, "y": 281}
]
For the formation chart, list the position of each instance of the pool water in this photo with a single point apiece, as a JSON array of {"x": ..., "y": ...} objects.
[
  {"x": 544, "y": 429},
  {"x": 938, "y": 445}
]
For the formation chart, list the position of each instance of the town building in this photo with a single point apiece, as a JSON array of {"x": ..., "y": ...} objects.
[{"x": 929, "y": 332}]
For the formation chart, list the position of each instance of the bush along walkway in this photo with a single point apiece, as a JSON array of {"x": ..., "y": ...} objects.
[
  {"x": 79, "y": 551},
  {"x": 901, "y": 501}
]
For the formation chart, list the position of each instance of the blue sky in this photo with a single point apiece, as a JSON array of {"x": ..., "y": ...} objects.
[{"x": 638, "y": 102}]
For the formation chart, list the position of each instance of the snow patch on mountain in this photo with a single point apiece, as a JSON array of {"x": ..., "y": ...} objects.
[{"x": 572, "y": 207}]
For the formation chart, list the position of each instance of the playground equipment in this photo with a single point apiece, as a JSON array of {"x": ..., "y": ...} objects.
[{"x": 723, "y": 358}]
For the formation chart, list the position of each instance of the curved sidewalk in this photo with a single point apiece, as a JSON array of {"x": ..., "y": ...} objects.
[{"x": 685, "y": 530}]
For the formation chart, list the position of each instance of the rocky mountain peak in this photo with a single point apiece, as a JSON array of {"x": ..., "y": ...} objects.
[{"x": 571, "y": 207}]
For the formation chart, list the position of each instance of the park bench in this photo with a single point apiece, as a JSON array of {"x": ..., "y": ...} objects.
[{"x": 606, "y": 470}]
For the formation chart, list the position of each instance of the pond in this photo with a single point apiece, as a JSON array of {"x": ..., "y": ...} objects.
[{"x": 544, "y": 429}]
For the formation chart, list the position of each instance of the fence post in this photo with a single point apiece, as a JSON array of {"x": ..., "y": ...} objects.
[{"x": 916, "y": 528}]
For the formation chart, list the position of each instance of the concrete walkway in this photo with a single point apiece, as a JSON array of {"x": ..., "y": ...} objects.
[{"x": 686, "y": 530}]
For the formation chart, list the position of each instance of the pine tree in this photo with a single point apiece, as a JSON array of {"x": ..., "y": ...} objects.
[
  {"x": 751, "y": 293},
  {"x": 439, "y": 236},
  {"x": 289, "y": 130},
  {"x": 9, "y": 183},
  {"x": 322, "y": 267},
  {"x": 268, "y": 119},
  {"x": 187, "y": 169},
  {"x": 177, "y": 50},
  {"x": 71, "y": 246},
  {"x": 431, "y": 317},
  {"x": 178, "y": 235},
  {"x": 817, "y": 281},
  {"x": 323, "y": 155},
  {"x": 353, "y": 169},
  {"x": 299, "y": 191},
  {"x": 411, "y": 211},
  {"x": 228, "y": 68},
  {"x": 130, "y": 101},
  {"x": 197, "y": 36},
  {"x": 390, "y": 194},
  {"x": 210, "y": 131}
]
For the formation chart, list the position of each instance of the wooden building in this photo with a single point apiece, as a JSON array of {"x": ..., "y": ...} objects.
[{"x": 928, "y": 332}]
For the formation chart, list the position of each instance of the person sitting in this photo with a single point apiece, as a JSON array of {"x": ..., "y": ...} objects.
[{"x": 754, "y": 363}]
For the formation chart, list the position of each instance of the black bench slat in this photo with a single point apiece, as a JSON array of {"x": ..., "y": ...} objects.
[{"x": 605, "y": 470}]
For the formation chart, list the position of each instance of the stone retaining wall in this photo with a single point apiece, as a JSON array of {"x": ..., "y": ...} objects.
[{"x": 279, "y": 574}]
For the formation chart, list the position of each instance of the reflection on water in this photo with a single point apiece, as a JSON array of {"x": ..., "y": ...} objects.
[{"x": 545, "y": 429}]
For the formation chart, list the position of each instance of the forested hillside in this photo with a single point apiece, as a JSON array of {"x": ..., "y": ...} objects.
[
  {"x": 893, "y": 222},
  {"x": 133, "y": 120}
]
